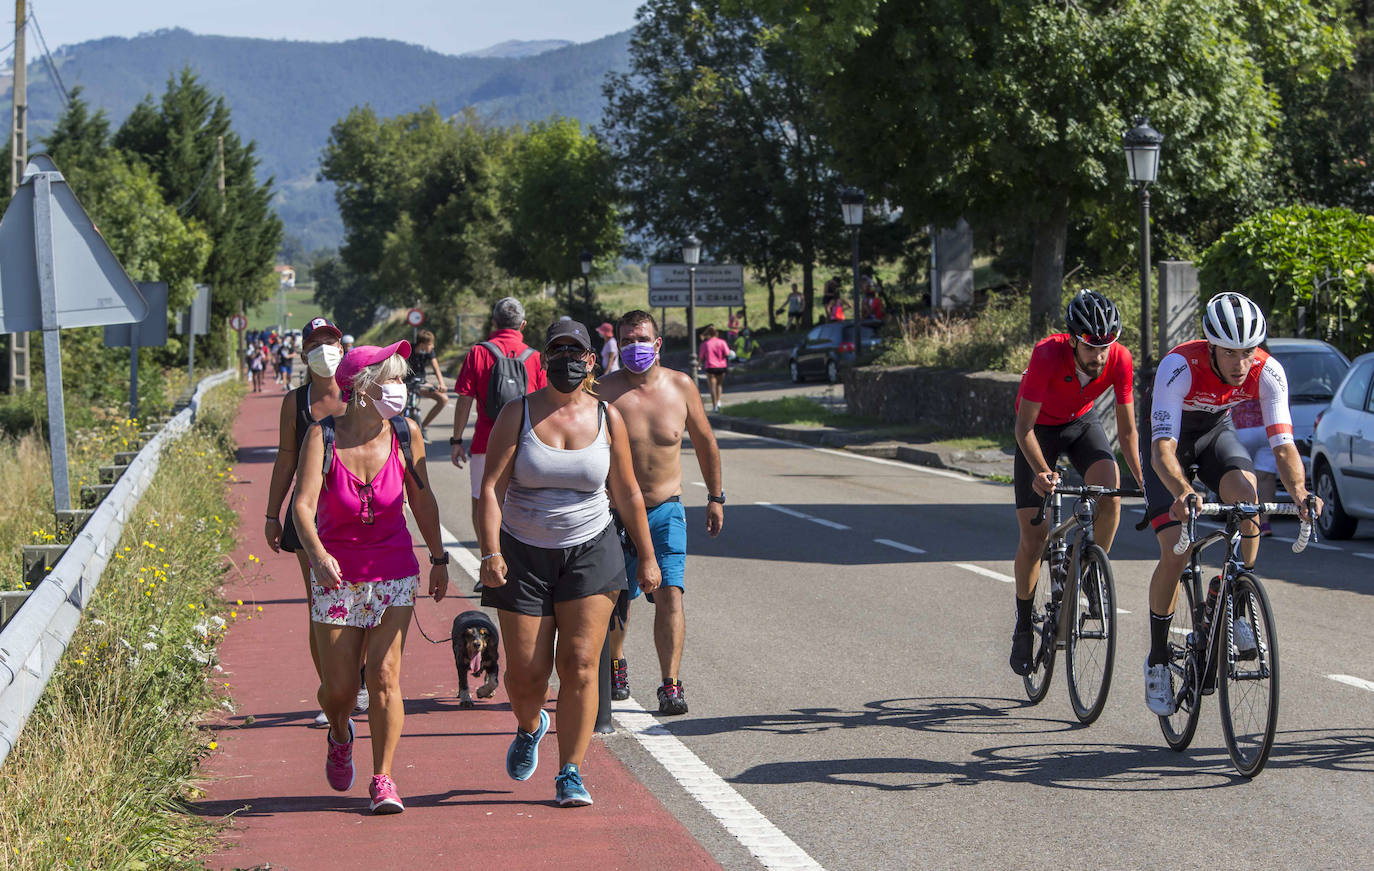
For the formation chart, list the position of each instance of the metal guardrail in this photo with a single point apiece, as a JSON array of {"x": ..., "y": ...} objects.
[{"x": 33, "y": 642}]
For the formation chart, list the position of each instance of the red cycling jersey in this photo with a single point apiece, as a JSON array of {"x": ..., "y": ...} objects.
[
  {"x": 1052, "y": 380},
  {"x": 1190, "y": 397}
]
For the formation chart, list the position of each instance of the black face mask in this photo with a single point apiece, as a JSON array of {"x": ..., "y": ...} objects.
[{"x": 567, "y": 373}]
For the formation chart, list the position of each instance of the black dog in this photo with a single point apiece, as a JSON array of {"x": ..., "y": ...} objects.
[{"x": 476, "y": 650}]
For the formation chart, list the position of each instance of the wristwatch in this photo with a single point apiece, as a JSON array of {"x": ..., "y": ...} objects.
[
  {"x": 443, "y": 561},
  {"x": 717, "y": 499},
  {"x": 454, "y": 441}
]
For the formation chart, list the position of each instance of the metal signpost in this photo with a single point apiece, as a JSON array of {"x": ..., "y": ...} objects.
[
  {"x": 195, "y": 321},
  {"x": 151, "y": 332},
  {"x": 56, "y": 272},
  {"x": 415, "y": 317}
]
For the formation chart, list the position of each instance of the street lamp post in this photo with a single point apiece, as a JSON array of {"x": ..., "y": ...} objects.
[
  {"x": 691, "y": 255},
  {"x": 586, "y": 259},
  {"x": 1141, "y": 144},
  {"x": 852, "y": 202}
]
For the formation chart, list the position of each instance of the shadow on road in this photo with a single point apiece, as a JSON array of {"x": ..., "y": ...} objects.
[{"x": 344, "y": 804}]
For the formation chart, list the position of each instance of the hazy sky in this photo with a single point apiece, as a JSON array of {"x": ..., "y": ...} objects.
[{"x": 449, "y": 26}]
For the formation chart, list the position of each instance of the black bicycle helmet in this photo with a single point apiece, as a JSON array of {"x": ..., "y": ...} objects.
[{"x": 1093, "y": 318}]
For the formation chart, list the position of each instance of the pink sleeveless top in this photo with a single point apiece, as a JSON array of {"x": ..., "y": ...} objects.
[{"x": 381, "y": 550}]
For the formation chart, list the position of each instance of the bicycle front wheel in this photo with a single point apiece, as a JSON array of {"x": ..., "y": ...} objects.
[
  {"x": 1043, "y": 622},
  {"x": 1249, "y": 680},
  {"x": 1091, "y": 646},
  {"x": 1184, "y": 664}
]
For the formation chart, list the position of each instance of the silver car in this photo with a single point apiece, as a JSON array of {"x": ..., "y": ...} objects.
[
  {"x": 1343, "y": 453},
  {"x": 1314, "y": 370}
]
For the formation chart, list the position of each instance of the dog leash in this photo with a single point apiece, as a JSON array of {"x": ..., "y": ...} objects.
[{"x": 415, "y": 615}]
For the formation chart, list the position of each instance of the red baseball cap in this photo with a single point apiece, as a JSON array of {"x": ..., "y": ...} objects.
[
  {"x": 360, "y": 358},
  {"x": 606, "y": 330},
  {"x": 316, "y": 324}
]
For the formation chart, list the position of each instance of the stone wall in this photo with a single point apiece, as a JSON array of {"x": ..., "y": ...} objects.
[{"x": 950, "y": 402}]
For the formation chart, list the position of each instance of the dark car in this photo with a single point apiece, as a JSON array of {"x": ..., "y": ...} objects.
[{"x": 826, "y": 347}]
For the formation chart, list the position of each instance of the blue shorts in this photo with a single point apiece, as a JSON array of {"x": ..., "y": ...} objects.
[{"x": 668, "y": 529}]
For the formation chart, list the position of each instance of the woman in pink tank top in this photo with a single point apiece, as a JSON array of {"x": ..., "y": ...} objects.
[{"x": 350, "y": 514}]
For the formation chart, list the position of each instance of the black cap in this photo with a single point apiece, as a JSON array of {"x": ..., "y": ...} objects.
[
  {"x": 316, "y": 324},
  {"x": 568, "y": 329}
]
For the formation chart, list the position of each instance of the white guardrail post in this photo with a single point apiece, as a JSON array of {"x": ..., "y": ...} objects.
[{"x": 32, "y": 643}]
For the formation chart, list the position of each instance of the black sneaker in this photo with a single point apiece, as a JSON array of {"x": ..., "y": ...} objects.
[
  {"x": 620, "y": 680},
  {"x": 671, "y": 700},
  {"x": 1022, "y": 644}
]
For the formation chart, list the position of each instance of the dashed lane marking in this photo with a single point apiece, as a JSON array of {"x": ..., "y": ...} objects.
[
  {"x": 751, "y": 828},
  {"x": 987, "y": 573},
  {"x": 460, "y": 554},
  {"x": 898, "y": 545},
  {"x": 791, "y": 513},
  {"x": 910, "y": 467},
  {"x": 1353, "y": 681},
  {"x": 1365, "y": 555}
]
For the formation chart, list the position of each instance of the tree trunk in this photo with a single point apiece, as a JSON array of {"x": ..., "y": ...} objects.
[
  {"x": 772, "y": 305},
  {"x": 1047, "y": 268}
]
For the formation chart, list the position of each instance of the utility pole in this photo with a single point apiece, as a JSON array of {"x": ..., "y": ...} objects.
[
  {"x": 19, "y": 157},
  {"x": 221, "y": 172}
]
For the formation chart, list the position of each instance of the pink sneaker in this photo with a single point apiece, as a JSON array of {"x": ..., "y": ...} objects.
[
  {"x": 338, "y": 762},
  {"x": 385, "y": 799}
]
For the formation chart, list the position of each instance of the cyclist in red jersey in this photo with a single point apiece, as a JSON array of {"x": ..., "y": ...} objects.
[
  {"x": 1190, "y": 423},
  {"x": 1066, "y": 375}
]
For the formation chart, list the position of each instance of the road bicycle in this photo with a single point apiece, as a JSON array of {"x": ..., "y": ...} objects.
[
  {"x": 412, "y": 409},
  {"x": 1208, "y": 655},
  {"x": 1074, "y": 605}
]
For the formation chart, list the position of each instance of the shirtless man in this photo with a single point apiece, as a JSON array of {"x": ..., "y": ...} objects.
[{"x": 658, "y": 405}]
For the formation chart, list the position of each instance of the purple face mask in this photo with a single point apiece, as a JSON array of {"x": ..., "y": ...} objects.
[{"x": 638, "y": 356}]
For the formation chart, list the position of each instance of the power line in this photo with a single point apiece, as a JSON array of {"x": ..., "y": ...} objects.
[{"x": 47, "y": 59}]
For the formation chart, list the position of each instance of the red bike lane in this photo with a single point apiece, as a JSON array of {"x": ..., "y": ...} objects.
[{"x": 267, "y": 772}]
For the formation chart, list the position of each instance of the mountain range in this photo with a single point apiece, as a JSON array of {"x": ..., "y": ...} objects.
[{"x": 285, "y": 95}]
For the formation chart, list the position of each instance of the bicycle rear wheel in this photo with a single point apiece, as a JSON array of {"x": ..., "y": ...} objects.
[
  {"x": 1249, "y": 688},
  {"x": 1043, "y": 622},
  {"x": 1091, "y": 646},
  {"x": 1184, "y": 665}
]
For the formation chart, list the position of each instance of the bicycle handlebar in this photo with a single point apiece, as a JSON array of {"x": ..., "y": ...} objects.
[
  {"x": 1196, "y": 510},
  {"x": 1092, "y": 490}
]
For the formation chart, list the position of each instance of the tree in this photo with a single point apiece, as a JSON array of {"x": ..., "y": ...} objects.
[
  {"x": 179, "y": 141},
  {"x": 339, "y": 292},
  {"x": 1015, "y": 109},
  {"x": 716, "y": 132},
  {"x": 560, "y": 196}
]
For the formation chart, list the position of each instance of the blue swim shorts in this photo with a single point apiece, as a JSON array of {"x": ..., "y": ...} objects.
[{"x": 668, "y": 528}]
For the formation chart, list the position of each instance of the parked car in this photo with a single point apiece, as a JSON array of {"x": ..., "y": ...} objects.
[
  {"x": 828, "y": 345},
  {"x": 1314, "y": 371},
  {"x": 1343, "y": 453}
]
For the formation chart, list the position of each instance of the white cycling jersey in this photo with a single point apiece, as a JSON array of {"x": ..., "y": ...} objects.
[{"x": 1191, "y": 399}]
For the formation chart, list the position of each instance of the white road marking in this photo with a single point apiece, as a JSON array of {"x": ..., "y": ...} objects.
[
  {"x": 789, "y": 512},
  {"x": 752, "y": 829},
  {"x": 1178, "y": 631},
  {"x": 928, "y": 470},
  {"x": 699, "y": 483},
  {"x": 1317, "y": 544},
  {"x": 1353, "y": 681},
  {"x": 1365, "y": 555},
  {"x": 987, "y": 573},
  {"x": 459, "y": 554},
  {"x": 897, "y": 544},
  {"x": 1122, "y": 611}
]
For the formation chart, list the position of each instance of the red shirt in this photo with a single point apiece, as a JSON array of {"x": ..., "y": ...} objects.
[
  {"x": 473, "y": 378},
  {"x": 1051, "y": 379}
]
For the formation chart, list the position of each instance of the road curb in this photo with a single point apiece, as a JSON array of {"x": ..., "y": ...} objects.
[{"x": 929, "y": 454}]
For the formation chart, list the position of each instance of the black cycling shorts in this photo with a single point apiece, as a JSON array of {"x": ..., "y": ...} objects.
[
  {"x": 1084, "y": 441},
  {"x": 538, "y": 577},
  {"x": 1215, "y": 452}
]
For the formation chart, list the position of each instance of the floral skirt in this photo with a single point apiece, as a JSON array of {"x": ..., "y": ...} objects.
[{"x": 360, "y": 605}]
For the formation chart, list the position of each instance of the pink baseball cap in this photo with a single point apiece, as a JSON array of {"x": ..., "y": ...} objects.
[{"x": 360, "y": 358}]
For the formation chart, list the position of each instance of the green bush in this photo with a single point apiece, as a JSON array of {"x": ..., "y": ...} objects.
[{"x": 1279, "y": 258}]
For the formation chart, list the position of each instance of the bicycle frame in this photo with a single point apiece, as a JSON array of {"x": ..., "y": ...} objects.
[{"x": 1230, "y": 568}]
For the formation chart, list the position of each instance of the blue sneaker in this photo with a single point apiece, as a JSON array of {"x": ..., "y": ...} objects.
[
  {"x": 571, "y": 792},
  {"x": 523, "y": 756}
]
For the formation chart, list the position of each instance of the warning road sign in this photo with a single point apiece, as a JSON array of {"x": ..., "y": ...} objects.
[{"x": 415, "y": 317}]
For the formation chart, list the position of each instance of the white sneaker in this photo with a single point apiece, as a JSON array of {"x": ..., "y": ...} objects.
[
  {"x": 321, "y": 719},
  {"x": 1159, "y": 690},
  {"x": 360, "y": 704},
  {"x": 1244, "y": 637}
]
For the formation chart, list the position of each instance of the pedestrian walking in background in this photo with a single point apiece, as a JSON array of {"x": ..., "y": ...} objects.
[
  {"x": 288, "y": 362},
  {"x": 318, "y": 398},
  {"x": 354, "y": 487},
  {"x": 551, "y": 559},
  {"x": 795, "y": 306},
  {"x": 715, "y": 355},
  {"x": 658, "y": 406},
  {"x": 498, "y": 356},
  {"x": 348, "y": 343},
  {"x": 255, "y": 364},
  {"x": 610, "y": 350}
]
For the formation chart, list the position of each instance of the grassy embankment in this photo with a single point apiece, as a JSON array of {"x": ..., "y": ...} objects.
[{"x": 104, "y": 767}]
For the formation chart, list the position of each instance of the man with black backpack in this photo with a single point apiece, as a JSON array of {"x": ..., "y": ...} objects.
[{"x": 494, "y": 372}]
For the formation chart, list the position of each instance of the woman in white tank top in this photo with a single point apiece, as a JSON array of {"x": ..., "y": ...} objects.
[{"x": 552, "y": 565}]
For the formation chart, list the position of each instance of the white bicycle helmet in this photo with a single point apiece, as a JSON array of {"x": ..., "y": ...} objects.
[{"x": 1233, "y": 321}]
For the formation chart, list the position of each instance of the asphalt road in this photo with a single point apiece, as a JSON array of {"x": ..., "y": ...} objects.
[{"x": 856, "y": 691}]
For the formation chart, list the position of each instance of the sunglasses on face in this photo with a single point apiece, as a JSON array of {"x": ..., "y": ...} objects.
[
  {"x": 1098, "y": 341},
  {"x": 564, "y": 351}
]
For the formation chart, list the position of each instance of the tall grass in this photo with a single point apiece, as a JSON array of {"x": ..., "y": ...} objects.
[{"x": 101, "y": 772}]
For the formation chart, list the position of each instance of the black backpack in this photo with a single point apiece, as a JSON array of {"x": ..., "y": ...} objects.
[
  {"x": 399, "y": 425},
  {"x": 509, "y": 378}
]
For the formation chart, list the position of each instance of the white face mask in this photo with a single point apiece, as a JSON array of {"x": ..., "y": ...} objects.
[
  {"x": 324, "y": 360},
  {"x": 393, "y": 400}
]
